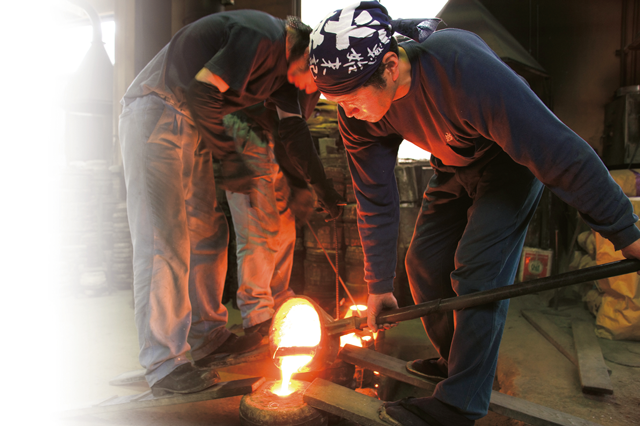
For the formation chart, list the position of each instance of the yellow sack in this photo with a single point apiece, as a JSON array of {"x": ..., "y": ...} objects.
[
  {"x": 627, "y": 181},
  {"x": 618, "y": 317}
]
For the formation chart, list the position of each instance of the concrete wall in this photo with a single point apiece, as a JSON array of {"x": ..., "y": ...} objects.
[{"x": 575, "y": 41}]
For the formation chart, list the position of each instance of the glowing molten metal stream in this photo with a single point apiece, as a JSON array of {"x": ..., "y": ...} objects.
[{"x": 298, "y": 327}]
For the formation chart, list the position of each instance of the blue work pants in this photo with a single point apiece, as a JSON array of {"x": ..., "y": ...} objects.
[
  {"x": 179, "y": 236},
  {"x": 468, "y": 238},
  {"x": 264, "y": 227}
]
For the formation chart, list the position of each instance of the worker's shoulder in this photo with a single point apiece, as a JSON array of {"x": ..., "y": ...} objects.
[
  {"x": 451, "y": 44},
  {"x": 453, "y": 38},
  {"x": 243, "y": 22},
  {"x": 255, "y": 21}
]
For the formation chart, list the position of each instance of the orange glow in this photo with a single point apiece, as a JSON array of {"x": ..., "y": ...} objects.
[
  {"x": 290, "y": 364},
  {"x": 296, "y": 324},
  {"x": 353, "y": 338},
  {"x": 350, "y": 339},
  {"x": 353, "y": 309}
]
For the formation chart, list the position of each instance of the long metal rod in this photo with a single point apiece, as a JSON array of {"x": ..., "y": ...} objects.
[{"x": 482, "y": 297}]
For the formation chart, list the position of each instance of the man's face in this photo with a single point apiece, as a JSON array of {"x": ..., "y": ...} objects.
[
  {"x": 299, "y": 74},
  {"x": 366, "y": 103}
]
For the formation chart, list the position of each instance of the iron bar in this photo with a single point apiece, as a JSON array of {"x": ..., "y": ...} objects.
[{"x": 607, "y": 270}]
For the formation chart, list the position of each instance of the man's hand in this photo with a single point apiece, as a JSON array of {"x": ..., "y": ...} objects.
[
  {"x": 329, "y": 199},
  {"x": 236, "y": 175},
  {"x": 301, "y": 202},
  {"x": 632, "y": 251},
  {"x": 375, "y": 305}
]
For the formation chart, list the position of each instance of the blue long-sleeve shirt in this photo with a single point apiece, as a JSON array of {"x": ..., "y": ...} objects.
[{"x": 464, "y": 106}]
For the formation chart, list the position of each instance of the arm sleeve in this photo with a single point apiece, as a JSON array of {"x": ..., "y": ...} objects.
[
  {"x": 236, "y": 58},
  {"x": 372, "y": 162},
  {"x": 495, "y": 102},
  {"x": 205, "y": 103},
  {"x": 297, "y": 154}
]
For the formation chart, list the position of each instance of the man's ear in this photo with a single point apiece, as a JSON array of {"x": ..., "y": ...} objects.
[
  {"x": 392, "y": 63},
  {"x": 289, "y": 41}
]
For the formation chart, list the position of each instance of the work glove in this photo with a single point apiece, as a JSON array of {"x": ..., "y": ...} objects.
[
  {"x": 236, "y": 175},
  {"x": 375, "y": 305},
  {"x": 329, "y": 199},
  {"x": 301, "y": 202}
]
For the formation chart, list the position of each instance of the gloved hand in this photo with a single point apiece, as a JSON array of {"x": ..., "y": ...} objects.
[
  {"x": 236, "y": 175},
  {"x": 376, "y": 303},
  {"x": 301, "y": 202},
  {"x": 329, "y": 199}
]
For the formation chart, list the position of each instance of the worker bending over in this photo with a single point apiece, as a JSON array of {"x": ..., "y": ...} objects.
[
  {"x": 494, "y": 145},
  {"x": 170, "y": 127}
]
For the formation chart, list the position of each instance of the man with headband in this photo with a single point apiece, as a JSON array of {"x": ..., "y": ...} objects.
[{"x": 493, "y": 143}]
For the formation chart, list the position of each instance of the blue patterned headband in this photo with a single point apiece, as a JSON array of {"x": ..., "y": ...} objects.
[{"x": 347, "y": 47}]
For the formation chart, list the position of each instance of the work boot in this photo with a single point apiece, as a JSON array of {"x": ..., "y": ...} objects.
[
  {"x": 262, "y": 328},
  {"x": 232, "y": 346},
  {"x": 186, "y": 378},
  {"x": 402, "y": 413},
  {"x": 428, "y": 411},
  {"x": 430, "y": 369}
]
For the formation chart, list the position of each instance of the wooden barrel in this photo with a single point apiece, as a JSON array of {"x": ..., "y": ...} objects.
[
  {"x": 408, "y": 216},
  {"x": 296, "y": 283},
  {"x": 354, "y": 274},
  {"x": 350, "y": 213},
  {"x": 351, "y": 234},
  {"x": 319, "y": 277},
  {"x": 335, "y": 160},
  {"x": 336, "y": 174},
  {"x": 350, "y": 226},
  {"x": 348, "y": 191},
  {"x": 325, "y": 233}
]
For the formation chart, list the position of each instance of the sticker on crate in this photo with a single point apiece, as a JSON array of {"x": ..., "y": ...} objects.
[{"x": 535, "y": 263}]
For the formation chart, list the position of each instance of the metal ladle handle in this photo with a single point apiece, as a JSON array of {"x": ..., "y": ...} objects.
[{"x": 607, "y": 270}]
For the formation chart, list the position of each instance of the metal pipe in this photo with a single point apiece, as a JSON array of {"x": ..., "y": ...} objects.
[{"x": 612, "y": 269}]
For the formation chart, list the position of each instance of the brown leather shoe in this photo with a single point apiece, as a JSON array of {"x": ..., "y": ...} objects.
[
  {"x": 186, "y": 378},
  {"x": 233, "y": 345}
]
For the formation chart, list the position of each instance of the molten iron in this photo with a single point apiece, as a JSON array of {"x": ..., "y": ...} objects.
[
  {"x": 298, "y": 341},
  {"x": 297, "y": 333},
  {"x": 356, "y": 338}
]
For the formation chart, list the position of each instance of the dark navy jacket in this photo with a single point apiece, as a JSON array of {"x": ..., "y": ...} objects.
[{"x": 465, "y": 106}]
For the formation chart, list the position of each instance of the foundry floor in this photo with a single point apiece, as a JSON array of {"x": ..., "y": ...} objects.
[{"x": 100, "y": 343}]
